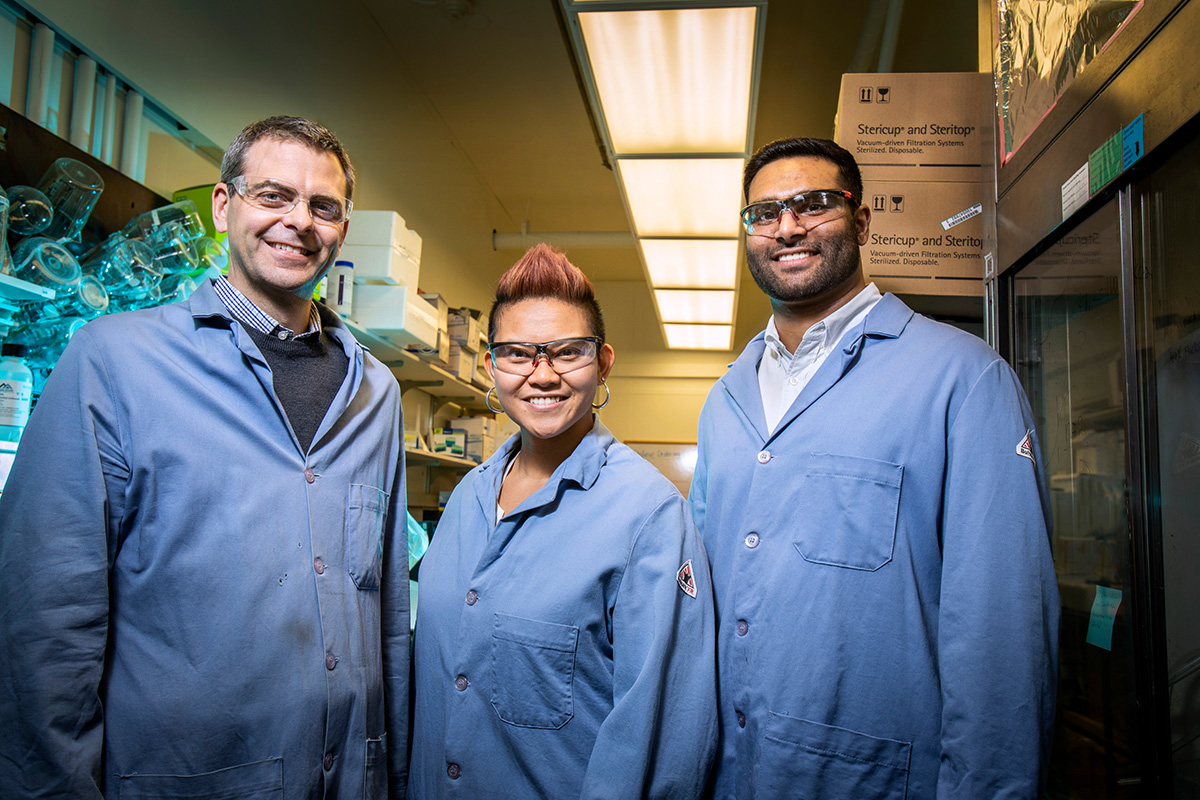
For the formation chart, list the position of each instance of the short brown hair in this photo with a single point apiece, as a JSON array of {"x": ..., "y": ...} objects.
[
  {"x": 289, "y": 129},
  {"x": 545, "y": 272}
]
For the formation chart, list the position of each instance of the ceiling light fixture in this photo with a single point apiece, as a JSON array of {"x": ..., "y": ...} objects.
[{"x": 673, "y": 87}]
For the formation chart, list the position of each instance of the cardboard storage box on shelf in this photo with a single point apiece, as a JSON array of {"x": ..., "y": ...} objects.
[
  {"x": 462, "y": 362},
  {"x": 910, "y": 118},
  {"x": 926, "y": 235},
  {"x": 382, "y": 248},
  {"x": 438, "y": 354},
  {"x": 464, "y": 327},
  {"x": 394, "y": 312},
  {"x": 481, "y": 441},
  {"x": 481, "y": 378},
  {"x": 448, "y": 441}
]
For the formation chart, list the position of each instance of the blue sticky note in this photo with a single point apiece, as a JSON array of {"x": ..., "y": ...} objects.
[
  {"x": 1133, "y": 145},
  {"x": 1104, "y": 613}
]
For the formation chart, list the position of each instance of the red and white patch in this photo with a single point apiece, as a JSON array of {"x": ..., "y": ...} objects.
[
  {"x": 685, "y": 579},
  {"x": 1025, "y": 446}
]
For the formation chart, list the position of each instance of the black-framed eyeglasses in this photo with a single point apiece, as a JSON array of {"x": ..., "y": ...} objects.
[
  {"x": 808, "y": 209},
  {"x": 280, "y": 197},
  {"x": 563, "y": 355}
]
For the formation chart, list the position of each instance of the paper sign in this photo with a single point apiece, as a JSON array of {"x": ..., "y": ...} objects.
[
  {"x": 1075, "y": 191},
  {"x": 1104, "y": 613},
  {"x": 1104, "y": 163},
  {"x": 1133, "y": 143}
]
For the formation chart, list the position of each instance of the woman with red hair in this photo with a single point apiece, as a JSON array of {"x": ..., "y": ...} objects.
[{"x": 564, "y": 639}]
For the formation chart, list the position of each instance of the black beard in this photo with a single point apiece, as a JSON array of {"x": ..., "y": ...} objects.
[{"x": 840, "y": 260}]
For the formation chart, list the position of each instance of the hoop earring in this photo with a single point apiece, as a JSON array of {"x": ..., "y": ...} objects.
[
  {"x": 607, "y": 396},
  {"x": 487, "y": 401}
]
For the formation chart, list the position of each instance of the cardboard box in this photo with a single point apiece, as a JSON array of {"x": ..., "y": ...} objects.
[
  {"x": 926, "y": 236},
  {"x": 394, "y": 312},
  {"x": 397, "y": 258},
  {"x": 439, "y": 354},
  {"x": 912, "y": 118},
  {"x": 462, "y": 362},
  {"x": 464, "y": 329},
  {"x": 441, "y": 308},
  {"x": 448, "y": 441}
]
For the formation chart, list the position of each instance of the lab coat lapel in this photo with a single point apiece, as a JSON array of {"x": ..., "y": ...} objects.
[
  {"x": 886, "y": 320},
  {"x": 741, "y": 384}
]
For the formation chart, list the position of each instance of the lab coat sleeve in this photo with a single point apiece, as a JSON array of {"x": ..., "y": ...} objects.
[
  {"x": 659, "y": 739},
  {"x": 998, "y": 628},
  {"x": 394, "y": 607},
  {"x": 60, "y": 515}
]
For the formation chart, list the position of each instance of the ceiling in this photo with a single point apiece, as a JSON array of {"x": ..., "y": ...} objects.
[{"x": 472, "y": 124}]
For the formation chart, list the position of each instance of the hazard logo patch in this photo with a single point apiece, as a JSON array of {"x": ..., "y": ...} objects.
[
  {"x": 1025, "y": 446},
  {"x": 685, "y": 579}
]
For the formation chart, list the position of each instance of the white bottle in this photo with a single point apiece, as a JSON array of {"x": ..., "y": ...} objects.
[
  {"x": 340, "y": 287},
  {"x": 16, "y": 390}
]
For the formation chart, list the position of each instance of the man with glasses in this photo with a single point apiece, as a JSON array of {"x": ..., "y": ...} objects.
[
  {"x": 869, "y": 492},
  {"x": 206, "y": 589}
]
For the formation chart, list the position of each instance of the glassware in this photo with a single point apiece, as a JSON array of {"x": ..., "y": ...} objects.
[
  {"x": 29, "y": 211},
  {"x": 45, "y": 262},
  {"x": 144, "y": 225},
  {"x": 173, "y": 253},
  {"x": 5, "y": 258},
  {"x": 120, "y": 263},
  {"x": 89, "y": 300},
  {"x": 73, "y": 189},
  {"x": 46, "y": 340},
  {"x": 210, "y": 254}
]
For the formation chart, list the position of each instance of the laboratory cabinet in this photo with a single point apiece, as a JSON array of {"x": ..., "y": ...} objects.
[{"x": 1096, "y": 303}]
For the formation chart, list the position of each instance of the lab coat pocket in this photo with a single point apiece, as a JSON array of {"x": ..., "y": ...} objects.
[
  {"x": 365, "y": 509},
  {"x": 261, "y": 780},
  {"x": 533, "y": 669},
  {"x": 801, "y": 758},
  {"x": 846, "y": 509}
]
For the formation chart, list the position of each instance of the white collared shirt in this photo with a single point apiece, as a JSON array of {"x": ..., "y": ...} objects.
[{"x": 783, "y": 375}]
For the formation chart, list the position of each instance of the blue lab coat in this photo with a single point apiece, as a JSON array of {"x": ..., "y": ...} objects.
[
  {"x": 556, "y": 653},
  {"x": 886, "y": 601},
  {"x": 193, "y": 606}
]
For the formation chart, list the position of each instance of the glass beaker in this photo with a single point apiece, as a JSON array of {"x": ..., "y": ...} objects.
[
  {"x": 146, "y": 225},
  {"x": 73, "y": 189},
  {"x": 89, "y": 300},
  {"x": 29, "y": 211},
  {"x": 45, "y": 262}
]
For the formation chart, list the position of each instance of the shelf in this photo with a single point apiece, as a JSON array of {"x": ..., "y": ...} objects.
[
  {"x": 414, "y": 372},
  {"x": 16, "y": 289},
  {"x": 425, "y": 458}
]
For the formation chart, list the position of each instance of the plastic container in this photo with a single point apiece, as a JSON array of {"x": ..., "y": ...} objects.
[
  {"x": 339, "y": 288},
  {"x": 73, "y": 189},
  {"x": 16, "y": 392}
]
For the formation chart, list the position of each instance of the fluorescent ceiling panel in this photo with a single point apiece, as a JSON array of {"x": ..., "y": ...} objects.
[
  {"x": 683, "y": 196},
  {"x": 673, "y": 80},
  {"x": 699, "y": 337},
  {"x": 710, "y": 306},
  {"x": 691, "y": 263}
]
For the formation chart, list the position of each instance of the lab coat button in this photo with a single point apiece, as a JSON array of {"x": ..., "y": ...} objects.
[
  {"x": 793, "y": 381},
  {"x": 330, "y": 661},
  {"x": 319, "y": 566},
  {"x": 743, "y": 627},
  {"x": 764, "y": 456},
  {"x": 741, "y": 718},
  {"x": 309, "y": 475},
  {"x": 452, "y": 771},
  {"x": 327, "y": 762},
  {"x": 460, "y": 683},
  {"x": 472, "y": 597},
  {"x": 752, "y": 541}
]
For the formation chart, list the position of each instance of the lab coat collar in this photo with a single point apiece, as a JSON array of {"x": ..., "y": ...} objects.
[
  {"x": 206, "y": 304},
  {"x": 582, "y": 467},
  {"x": 887, "y": 320}
]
